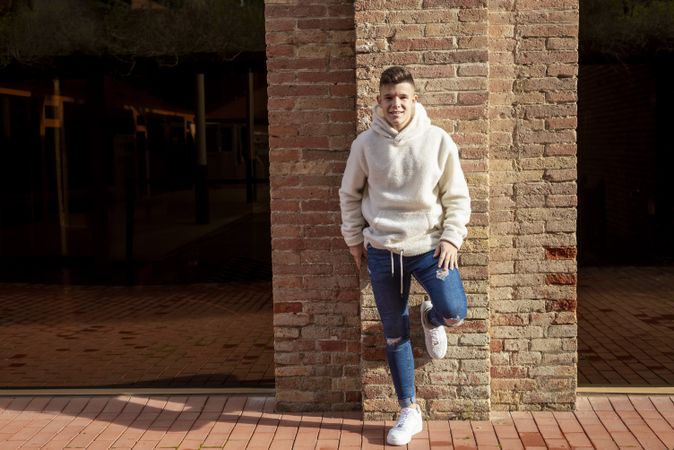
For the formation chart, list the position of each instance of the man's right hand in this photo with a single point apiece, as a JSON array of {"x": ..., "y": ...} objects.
[{"x": 358, "y": 254}]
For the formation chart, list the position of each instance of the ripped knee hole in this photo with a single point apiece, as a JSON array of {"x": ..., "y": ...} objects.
[
  {"x": 453, "y": 322},
  {"x": 393, "y": 341}
]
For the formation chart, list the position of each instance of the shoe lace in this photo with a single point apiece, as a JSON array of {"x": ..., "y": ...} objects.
[
  {"x": 435, "y": 335},
  {"x": 404, "y": 416}
]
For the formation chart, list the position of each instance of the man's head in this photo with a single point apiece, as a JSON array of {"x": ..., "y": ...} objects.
[{"x": 397, "y": 96}]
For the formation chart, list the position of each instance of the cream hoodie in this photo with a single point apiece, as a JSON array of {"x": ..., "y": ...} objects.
[{"x": 404, "y": 191}]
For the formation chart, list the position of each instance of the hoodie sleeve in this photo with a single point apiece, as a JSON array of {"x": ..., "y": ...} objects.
[
  {"x": 453, "y": 191},
  {"x": 351, "y": 196}
]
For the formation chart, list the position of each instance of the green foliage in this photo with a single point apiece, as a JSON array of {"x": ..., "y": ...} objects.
[
  {"x": 51, "y": 28},
  {"x": 626, "y": 29}
]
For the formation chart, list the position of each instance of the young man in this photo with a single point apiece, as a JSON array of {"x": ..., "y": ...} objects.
[{"x": 404, "y": 200}]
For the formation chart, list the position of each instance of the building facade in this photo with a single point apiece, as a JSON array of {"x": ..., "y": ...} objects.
[{"x": 501, "y": 77}]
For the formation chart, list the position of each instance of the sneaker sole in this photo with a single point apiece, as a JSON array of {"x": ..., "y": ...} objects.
[{"x": 391, "y": 442}]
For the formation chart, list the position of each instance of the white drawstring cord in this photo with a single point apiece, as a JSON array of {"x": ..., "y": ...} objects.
[
  {"x": 392, "y": 271},
  {"x": 401, "y": 273}
]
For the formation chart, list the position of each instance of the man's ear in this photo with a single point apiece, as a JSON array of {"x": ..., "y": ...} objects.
[{"x": 416, "y": 97}]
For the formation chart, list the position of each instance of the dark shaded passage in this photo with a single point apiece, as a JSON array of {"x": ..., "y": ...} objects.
[{"x": 626, "y": 331}]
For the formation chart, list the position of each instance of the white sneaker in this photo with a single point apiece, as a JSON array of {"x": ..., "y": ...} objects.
[
  {"x": 436, "y": 337},
  {"x": 409, "y": 423}
]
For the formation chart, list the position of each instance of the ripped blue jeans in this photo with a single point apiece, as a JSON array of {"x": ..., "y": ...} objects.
[{"x": 391, "y": 295}]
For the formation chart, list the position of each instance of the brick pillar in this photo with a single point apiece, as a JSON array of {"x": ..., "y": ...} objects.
[
  {"x": 444, "y": 43},
  {"x": 310, "y": 62},
  {"x": 501, "y": 79},
  {"x": 532, "y": 271}
]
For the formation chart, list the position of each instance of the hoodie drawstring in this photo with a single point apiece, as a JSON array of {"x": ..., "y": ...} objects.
[{"x": 401, "y": 270}]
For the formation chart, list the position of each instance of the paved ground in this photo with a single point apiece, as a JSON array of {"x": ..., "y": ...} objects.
[
  {"x": 203, "y": 318},
  {"x": 626, "y": 326},
  {"x": 172, "y": 336},
  {"x": 220, "y": 333},
  {"x": 615, "y": 422}
]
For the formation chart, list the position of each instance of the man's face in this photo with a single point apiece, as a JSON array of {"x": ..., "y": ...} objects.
[{"x": 397, "y": 102}]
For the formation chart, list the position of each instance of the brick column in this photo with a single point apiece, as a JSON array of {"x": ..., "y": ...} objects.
[
  {"x": 501, "y": 79},
  {"x": 532, "y": 271},
  {"x": 444, "y": 43},
  {"x": 310, "y": 62}
]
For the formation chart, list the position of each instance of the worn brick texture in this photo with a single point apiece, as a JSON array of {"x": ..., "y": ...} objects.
[
  {"x": 445, "y": 46},
  {"x": 532, "y": 207},
  {"x": 311, "y": 88},
  {"x": 500, "y": 77}
]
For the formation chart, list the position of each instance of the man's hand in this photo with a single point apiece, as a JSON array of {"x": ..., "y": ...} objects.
[
  {"x": 358, "y": 254},
  {"x": 447, "y": 256}
]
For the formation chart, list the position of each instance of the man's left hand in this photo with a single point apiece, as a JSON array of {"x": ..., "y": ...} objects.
[{"x": 447, "y": 256}]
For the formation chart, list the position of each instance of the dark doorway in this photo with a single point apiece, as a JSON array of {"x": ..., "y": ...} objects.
[{"x": 625, "y": 207}]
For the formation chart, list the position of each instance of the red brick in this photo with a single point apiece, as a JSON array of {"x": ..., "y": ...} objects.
[
  {"x": 561, "y": 305},
  {"x": 454, "y": 3},
  {"x": 287, "y": 307},
  {"x": 422, "y": 44},
  {"x": 296, "y": 63},
  {"x": 496, "y": 345},
  {"x": 473, "y": 15},
  {"x": 341, "y": 10},
  {"x": 456, "y": 57},
  {"x": 276, "y": 10},
  {"x": 503, "y": 319},
  {"x": 320, "y": 205},
  {"x": 343, "y": 76},
  {"x": 332, "y": 346},
  {"x": 547, "y": 4},
  {"x": 546, "y": 57},
  {"x": 280, "y": 25},
  {"x": 281, "y": 103},
  {"x": 559, "y": 123},
  {"x": 560, "y": 252},
  {"x": 560, "y": 278},
  {"x": 548, "y": 30},
  {"x": 285, "y": 205},
  {"x": 472, "y": 98},
  {"x": 508, "y": 372},
  {"x": 326, "y": 24},
  {"x": 560, "y": 150},
  {"x": 280, "y": 51},
  {"x": 458, "y": 112},
  {"x": 297, "y": 90},
  {"x": 386, "y": 4},
  {"x": 287, "y": 281}
]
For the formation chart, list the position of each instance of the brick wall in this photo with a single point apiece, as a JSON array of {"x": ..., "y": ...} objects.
[
  {"x": 532, "y": 209},
  {"x": 310, "y": 63},
  {"x": 445, "y": 46},
  {"x": 500, "y": 77}
]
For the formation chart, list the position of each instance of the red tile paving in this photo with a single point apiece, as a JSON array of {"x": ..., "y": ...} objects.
[
  {"x": 626, "y": 326},
  {"x": 217, "y": 335},
  {"x": 231, "y": 422}
]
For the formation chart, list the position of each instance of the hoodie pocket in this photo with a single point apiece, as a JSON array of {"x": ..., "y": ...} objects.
[{"x": 398, "y": 226}]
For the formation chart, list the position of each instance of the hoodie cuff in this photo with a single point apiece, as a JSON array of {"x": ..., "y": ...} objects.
[
  {"x": 452, "y": 238},
  {"x": 354, "y": 241}
]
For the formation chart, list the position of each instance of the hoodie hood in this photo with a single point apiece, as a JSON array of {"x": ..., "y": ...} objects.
[{"x": 419, "y": 124}]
